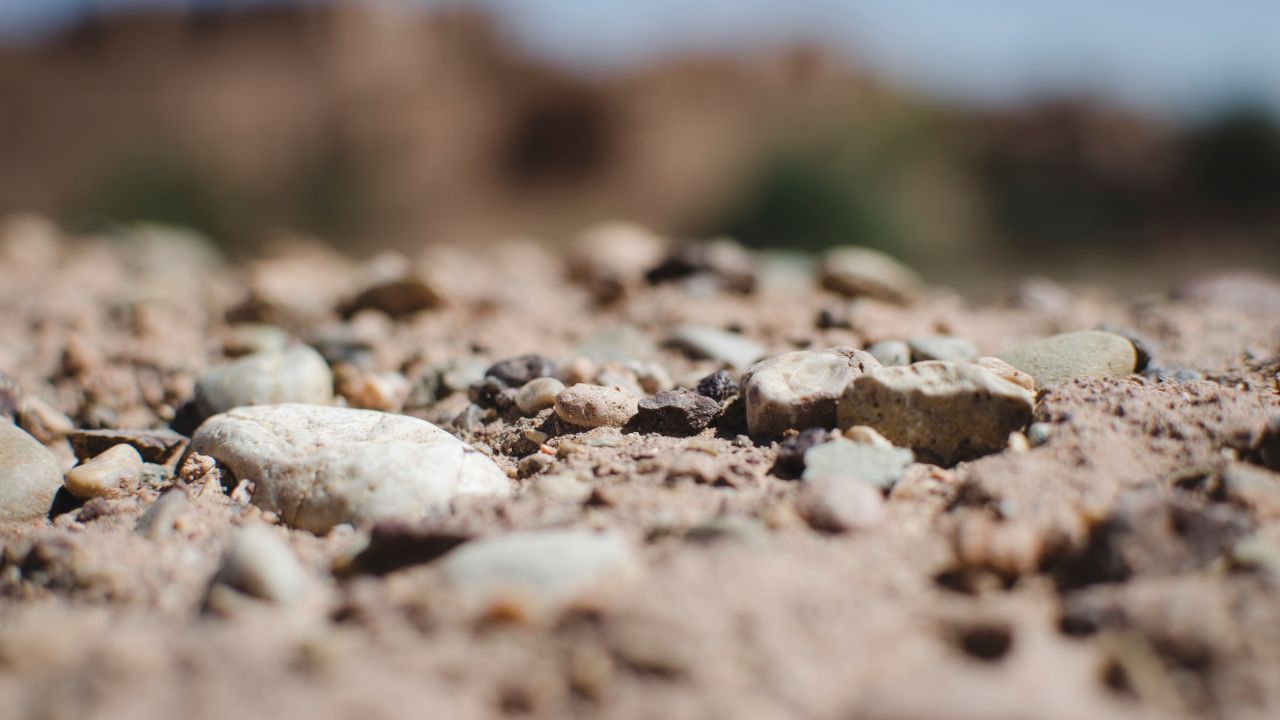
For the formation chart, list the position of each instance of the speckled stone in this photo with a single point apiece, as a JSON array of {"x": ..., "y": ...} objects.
[{"x": 1061, "y": 358}]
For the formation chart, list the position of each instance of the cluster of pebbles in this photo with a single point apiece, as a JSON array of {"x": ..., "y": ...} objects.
[{"x": 680, "y": 479}]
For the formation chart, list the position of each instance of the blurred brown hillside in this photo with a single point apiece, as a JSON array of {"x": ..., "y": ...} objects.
[{"x": 373, "y": 127}]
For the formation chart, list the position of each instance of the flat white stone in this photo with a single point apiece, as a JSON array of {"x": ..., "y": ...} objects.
[{"x": 320, "y": 466}]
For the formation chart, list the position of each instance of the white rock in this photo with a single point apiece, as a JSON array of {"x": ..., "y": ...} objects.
[
  {"x": 538, "y": 394},
  {"x": 320, "y": 466},
  {"x": 29, "y": 475},
  {"x": 545, "y": 568},
  {"x": 856, "y": 462},
  {"x": 800, "y": 389},
  {"x": 891, "y": 352},
  {"x": 298, "y": 376},
  {"x": 836, "y": 504}
]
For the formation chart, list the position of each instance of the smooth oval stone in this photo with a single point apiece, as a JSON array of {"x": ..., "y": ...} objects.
[
  {"x": 942, "y": 347},
  {"x": 856, "y": 271},
  {"x": 1085, "y": 354},
  {"x": 321, "y": 466},
  {"x": 298, "y": 376},
  {"x": 835, "y": 504},
  {"x": 947, "y": 411},
  {"x": 259, "y": 564},
  {"x": 891, "y": 352},
  {"x": 113, "y": 473},
  {"x": 29, "y": 475},
  {"x": 800, "y": 389},
  {"x": 595, "y": 406},
  {"x": 538, "y": 395},
  {"x": 545, "y": 568}
]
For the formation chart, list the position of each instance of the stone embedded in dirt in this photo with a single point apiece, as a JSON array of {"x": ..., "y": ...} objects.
[
  {"x": 718, "y": 386},
  {"x": 942, "y": 347},
  {"x": 856, "y": 271},
  {"x": 113, "y": 474},
  {"x": 712, "y": 343},
  {"x": 159, "y": 519},
  {"x": 592, "y": 406},
  {"x": 154, "y": 446},
  {"x": 854, "y": 461},
  {"x": 947, "y": 411},
  {"x": 29, "y": 475},
  {"x": 320, "y": 466},
  {"x": 800, "y": 389},
  {"x": 259, "y": 564},
  {"x": 837, "y": 504},
  {"x": 675, "y": 412},
  {"x": 543, "y": 568},
  {"x": 515, "y": 372},
  {"x": 1085, "y": 354},
  {"x": 299, "y": 375},
  {"x": 538, "y": 395},
  {"x": 891, "y": 352}
]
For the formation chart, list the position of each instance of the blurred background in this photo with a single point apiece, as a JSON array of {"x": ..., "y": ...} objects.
[{"x": 1118, "y": 142}]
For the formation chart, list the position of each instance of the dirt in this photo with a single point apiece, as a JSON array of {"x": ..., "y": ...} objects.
[{"x": 1094, "y": 575}]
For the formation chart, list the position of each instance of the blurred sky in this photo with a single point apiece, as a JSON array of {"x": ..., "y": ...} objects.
[{"x": 1173, "y": 56}]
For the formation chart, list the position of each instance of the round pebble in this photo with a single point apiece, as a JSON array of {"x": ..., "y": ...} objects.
[
  {"x": 891, "y": 352},
  {"x": 538, "y": 395},
  {"x": 300, "y": 375},
  {"x": 857, "y": 271},
  {"x": 595, "y": 406},
  {"x": 112, "y": 474}
]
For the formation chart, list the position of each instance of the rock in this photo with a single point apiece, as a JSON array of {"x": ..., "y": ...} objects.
[
  {"x": 113, "y": 474},
  {"x": 369, "y": 390},
  {"x": 675, "y": 412},
  {"x": 543, "y": 568},
  {"x": 800, "y": 389},
  {"x": 320, "y": 466},
  {"x": 161, "y": 518},
  {"x": 515, "y": 372},
  {"x": 1005, "y": 371},
  {"x": 1061, "y": 358},
  {"x": 1038, "y": 433},
  {"x": 492, "y": 393},
  {"x": 261, "y": 565},
  {"x": 856, "y": 271},
  {"x": 789, "y": 463},
  {"x": 9, "y": 397},
  {"x": 396, "y": 297},
  {"x": 538, "y": 395},
  {"x": 153, "y": 446},
  {"x": 725, "y": 262},
  {"x": 942, "y": 347},
  {"x": 298, "y": 376},
  {"x": 853, "y": 461},
  {"x": 45, "y": 422},
  {"x": 948, "y": 411},
  {"x": 835, "y": 504},
  {"x": 867, "y": 436},
  {"x": 718, "y": 386},
  {"x": 711, "y": 343},
  {"x": 611, "y": 258},
  {"x": 891, "y": 352},
  {"x": 595, "y": 406},
  {"x": 29, "y": 475}
]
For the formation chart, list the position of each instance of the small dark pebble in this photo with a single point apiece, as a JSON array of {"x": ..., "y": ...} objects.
[
  {"x": 516, "y": 371},
  {"x": 790, "y": 462},
  {"x": 492, "y": 393},
  {"x": 187, "y": 418},
  {"x": 675, "y": 412},
  {"x": 718, "y": 386}
]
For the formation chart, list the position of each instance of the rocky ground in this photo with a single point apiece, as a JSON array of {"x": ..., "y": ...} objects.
[{"x": 638, "y": 480}]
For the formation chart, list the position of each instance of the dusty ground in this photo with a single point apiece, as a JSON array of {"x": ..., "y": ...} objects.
[{"x": 1127, "y": 567}]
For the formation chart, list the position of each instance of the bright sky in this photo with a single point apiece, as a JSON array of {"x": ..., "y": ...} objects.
[{"x": 1167, "y": 55}]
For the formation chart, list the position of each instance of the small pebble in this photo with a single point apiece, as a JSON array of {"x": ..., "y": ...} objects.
[
  {"x": 160, "y": 519},
  {"x": 675, "y": 412},
  {"x": 113, "y": 474},
  {"x": 261, "y": 565},
  {"x": 857, "y": 271},
  {"x": 29, "y": 475},
  {"x": 712, "y": 343},
  {"x": 371, "y": 390},
  {"x": 515, "y": 372},
  {"x": 848, "y": 460},
  {"x": 942, "y": 347},
  {"x": 300, "y": 375},
  {"x": 595, "y": 406},
  {"x": 836, "y": 504},
  {"x": 718, "y": 386},
  {"x": 867, "y": 436},
  {"x": 538, "y": 395},
  {"x": 1038, "y": 433},
  {"x": 891, "y": 352}
]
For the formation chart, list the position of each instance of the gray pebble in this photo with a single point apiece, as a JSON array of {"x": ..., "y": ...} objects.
[
  {"x": 712, "y": 343},
  {"x": 160, "y": 519},
  {"x": 942, "y": 347},
  {"x": 891, "y": 352},
  {"x": 300, "y": 375},
  {"x": 29, "y": 475},
  {"x": 261, "y": 565},
  {"x": 856, "y": 462},
  {"x": 538, "y": 395}
]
